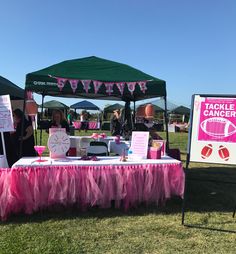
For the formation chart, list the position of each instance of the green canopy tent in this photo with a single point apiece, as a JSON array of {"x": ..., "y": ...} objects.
[
  {"x": 111, "y": 108},
  {"x": 95, "y": 78},
  {"x": 54, "y": 105},
  {"x": 7, "y": 87},
  {"x": 182, "y": 110}
]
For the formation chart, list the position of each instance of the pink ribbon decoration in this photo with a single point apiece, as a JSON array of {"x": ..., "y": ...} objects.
[
  {"x": 121, "y": 86},
  {"x": 109, "y": 87},
  {"x": 61, "y": 83},
  {"x": 86, "y": 85},
  {"x": 97, "y": 85},
  {"x": 142, "y": 85},
  {"x": 73, "y": 84},
  {"x": 131, "y": 86}
]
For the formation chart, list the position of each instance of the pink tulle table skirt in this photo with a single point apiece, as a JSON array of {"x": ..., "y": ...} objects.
[
  {"x": 91, "y": 125},
  {"x": 28, "y": 189}
]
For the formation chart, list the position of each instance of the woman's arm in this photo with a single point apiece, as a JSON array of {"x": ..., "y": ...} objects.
[{"x": 29, "y": 132}]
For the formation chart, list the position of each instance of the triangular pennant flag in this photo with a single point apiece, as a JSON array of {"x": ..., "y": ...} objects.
[
  {"x": 61, "y": 83},
  {"x": 109, "y": 87},
  {"x": 121, "y": 86},
  {"x": 142, "y": 85},
  {"x": 97, "y": 85},
  {"x": 131, "y": 86},
  {"x": 73, "y": 84},
  {"x": 86, "y": 85}
]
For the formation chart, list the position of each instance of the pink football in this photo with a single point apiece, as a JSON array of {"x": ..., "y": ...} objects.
[
  {"x": 206, "y": 151},
  {"x": 218, "y": 127},
  {"x": 223, "y": 153}
]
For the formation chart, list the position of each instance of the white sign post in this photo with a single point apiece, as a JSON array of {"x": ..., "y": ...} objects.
[{"x": 6, "y": 124}]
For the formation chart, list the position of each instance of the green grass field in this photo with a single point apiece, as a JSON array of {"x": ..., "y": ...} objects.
[{"x": 142, "y": 230}]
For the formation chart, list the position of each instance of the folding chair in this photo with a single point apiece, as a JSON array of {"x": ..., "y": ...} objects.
[{"x": 97, "y": 150}]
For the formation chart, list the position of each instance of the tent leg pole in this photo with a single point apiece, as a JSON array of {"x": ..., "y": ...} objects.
[
  {"x": 41, "y": 131},
  {"x": 166, "y": 124}
]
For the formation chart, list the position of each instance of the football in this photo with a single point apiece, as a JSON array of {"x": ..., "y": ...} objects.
[
  {"x": 218, "y": 127},
  {"x": 206, "y": 151},
  {"x": 223, "y": 153}
]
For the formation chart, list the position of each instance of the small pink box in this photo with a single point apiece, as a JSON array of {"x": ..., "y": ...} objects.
[{"x": 154, "y": 153}]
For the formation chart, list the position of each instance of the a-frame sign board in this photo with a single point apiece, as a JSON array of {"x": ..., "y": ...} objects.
[{"x": 212, "y": 133}]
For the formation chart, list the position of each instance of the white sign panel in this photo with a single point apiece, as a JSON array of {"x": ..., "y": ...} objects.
[
  {"x": 139, "y": 144},
  {"x": 213, "y": 136},
  {"x": 6, "y": 119}
]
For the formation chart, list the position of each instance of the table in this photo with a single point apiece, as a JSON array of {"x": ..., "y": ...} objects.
[
  {"x": 113, "y": 147},
  {"x": 29, "y": 186}
]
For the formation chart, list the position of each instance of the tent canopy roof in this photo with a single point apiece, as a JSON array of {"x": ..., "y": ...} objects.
[
  {"x": 96, "y": 69},
  {"x": 7, "y": 87},
  {"x": 54, "y": 105},
  {"x": 113, "y": 107},
  {"x": 182, "y": 110},
  {"x": 85, "y": 105}
]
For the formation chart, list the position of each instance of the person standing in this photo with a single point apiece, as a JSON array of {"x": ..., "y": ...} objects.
[
  {"x": 27, "y": 138},
  {"x": 70, "y": 117},
  {"x": 116, "y": 125}
]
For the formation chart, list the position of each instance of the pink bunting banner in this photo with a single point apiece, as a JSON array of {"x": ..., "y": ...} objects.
[
  {"x": 121, "y": 86},
  {"x": 97, "y": 85},
  {"x": 86, "y": 85},
  {"x": 61, "y": 83},
  {"x": 142, "y": 85},
  {"x": 73, "y": 84},
  {"x": 109, "y": 87},
  {"x": 131, "y": 86}
]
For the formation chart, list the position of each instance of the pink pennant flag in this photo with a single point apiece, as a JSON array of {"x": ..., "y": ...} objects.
[
  {"x": 97, "y": 85},
  {"x": 73, "y": 84},
  {"x": 131, "y": 86},
  {"x": 61, "y": 83},
  {"x": 86, "y": 85},
  {"x": 142, "y": 85},
  {"x": 109, "y": 87},
  {"x": 121, "y": 86}
]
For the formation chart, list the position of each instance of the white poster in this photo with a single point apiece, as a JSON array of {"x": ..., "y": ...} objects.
[
  {"x": 6, "y": 119},
  {"x": 139, "y": 144},
  {"x": 213, "y": 135}
]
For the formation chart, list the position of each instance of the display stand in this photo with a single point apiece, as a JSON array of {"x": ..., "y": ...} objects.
[{"x": 205, "y": 136}]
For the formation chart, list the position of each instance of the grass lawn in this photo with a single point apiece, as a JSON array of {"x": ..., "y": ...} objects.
[{"x": 142, "y": 230}]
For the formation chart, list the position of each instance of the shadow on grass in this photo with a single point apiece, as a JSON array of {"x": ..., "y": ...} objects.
[
  {"x": 211, "y": 189},
  {"x": 59, "y": 212}
]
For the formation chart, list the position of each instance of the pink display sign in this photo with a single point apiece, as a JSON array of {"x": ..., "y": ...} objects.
[{"x": 217, "y": 120}]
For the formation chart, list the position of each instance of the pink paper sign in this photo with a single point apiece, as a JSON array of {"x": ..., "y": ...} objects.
[
  {"x": 217, "y": 120},
  {"x": 139, "y": 144}
]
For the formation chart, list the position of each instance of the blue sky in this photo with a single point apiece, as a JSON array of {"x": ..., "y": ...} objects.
[{"x": 190, "y": 44}]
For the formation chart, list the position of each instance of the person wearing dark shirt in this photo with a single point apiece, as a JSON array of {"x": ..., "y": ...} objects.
[
  {"x": 116, "y": 125},
  {"x": 27, "y": 138}
]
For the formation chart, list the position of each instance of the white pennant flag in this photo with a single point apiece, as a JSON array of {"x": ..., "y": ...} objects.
[
  {"x": 97, "y": 85},
  {"x": 109, "y": 87},
  {"x": 121, "y": 86},
  {"x": 61, "y": 83},
  {"x": 142, "y": 85},
  {"x": 131, "y": 86},
  {"x": 73, "y": 84},
  {"x": 86, "y": 85}
]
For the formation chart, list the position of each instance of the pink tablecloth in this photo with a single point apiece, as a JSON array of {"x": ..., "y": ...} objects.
[
  {"x": 91, "y": 125},
  {"x": 28, "y": 189}
]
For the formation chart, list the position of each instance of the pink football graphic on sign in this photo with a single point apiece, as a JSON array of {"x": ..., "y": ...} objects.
[
  {"x": 206, "y": 151},
  {"x": 223, "y": 153},
  {"x": 218, "y": 127}
]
